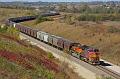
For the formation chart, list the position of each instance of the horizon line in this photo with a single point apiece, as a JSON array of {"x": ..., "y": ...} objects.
[{"x": 63, "y": 1}]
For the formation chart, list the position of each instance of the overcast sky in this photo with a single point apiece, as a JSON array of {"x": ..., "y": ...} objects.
[{"x": 57, "y": 0}]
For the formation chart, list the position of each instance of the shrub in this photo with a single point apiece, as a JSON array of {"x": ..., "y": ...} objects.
[
  {"x": 13, "y": 32},
  {"x": 88, "y": 17},
  {"x": 50, "y": 55},
  {"x": 42, "y": 19},
  {"x": 3, "y": 29},
  {"x": 10, "y": 31}
]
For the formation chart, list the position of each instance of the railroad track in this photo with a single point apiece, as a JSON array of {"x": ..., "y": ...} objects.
[
  {"x": 106, "y": 70},
  {"x": 109, "y": 72}
]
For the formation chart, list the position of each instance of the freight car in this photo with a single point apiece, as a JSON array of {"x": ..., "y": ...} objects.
[
  {"x": 27, "y": 30},
  {"x": 51, "y": 13},
  {"x": 82, "y": 52},
  {"x": 21, "y": 19}
]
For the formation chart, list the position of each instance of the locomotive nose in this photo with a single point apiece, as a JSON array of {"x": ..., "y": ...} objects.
[{"x": 96, "y": 62}]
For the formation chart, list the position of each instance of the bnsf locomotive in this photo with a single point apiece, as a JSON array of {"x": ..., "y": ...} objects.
[{"x": 82, "y": 52}]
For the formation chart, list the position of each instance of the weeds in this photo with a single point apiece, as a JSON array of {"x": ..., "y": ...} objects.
[
  {"x": 50, "y": 55},
  {"x": 113, "y": 29}
]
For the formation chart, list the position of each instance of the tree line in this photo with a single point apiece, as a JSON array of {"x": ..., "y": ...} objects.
[
  {"x": 17, "y": 7},
  {"x": 87, "y": 9},
  {"x": 98, "y": 17},
  {"x": 96, "y": 13}
]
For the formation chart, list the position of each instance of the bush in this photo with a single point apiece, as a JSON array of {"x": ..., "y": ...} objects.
[
  {"x": 50, "y": 55},
  {"x": 10, "y": 31},
  {"x": 3, "y": 29},
  {"x": 42, "y": 19},
  {"x": 69, "y": 19},
  {"x": 88, "y": 17},
  {"x": 13, "y": 32}
]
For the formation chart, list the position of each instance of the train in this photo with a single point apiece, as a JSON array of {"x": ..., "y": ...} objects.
[{"x": 82, "y": 52}]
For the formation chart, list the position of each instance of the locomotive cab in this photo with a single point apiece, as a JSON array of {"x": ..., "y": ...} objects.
[{"x": 94, "y": 56}]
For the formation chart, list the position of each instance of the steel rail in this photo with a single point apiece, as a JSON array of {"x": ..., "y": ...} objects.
[{"x": 110, "y": 72}]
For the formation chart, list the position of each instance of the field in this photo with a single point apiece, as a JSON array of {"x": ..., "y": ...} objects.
[
  {"x": 102, "y": 35},
  {"x": 6, "y": 13},
  {"x": 21, "y": 60}
]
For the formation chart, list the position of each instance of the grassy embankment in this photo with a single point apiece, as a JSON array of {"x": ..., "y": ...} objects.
[
  {"x": 7, "y": 13},
  {"x": 20, "y": 60}
]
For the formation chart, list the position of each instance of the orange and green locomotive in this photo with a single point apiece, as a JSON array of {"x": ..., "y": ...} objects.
[{"x": 85, "y": 53}]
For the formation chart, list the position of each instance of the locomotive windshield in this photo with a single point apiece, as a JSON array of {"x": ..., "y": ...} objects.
[
  {"x": 96, "y": 50},
  {"x": 93, "y": 50}
]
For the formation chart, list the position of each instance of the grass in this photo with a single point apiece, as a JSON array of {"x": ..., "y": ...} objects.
[
  {"x": 42, "y": 19},
  {"x": 14, "y": 70},
  {"x": 103, "y": 77},
  {"x": 31, "y": 55},
  {"x": 104, "y": 35},
  {"x": 50, "y": 55},
  {"x": 6, "y": 13},
  {"x": 20, "y": 72},
  {"x": 12, "y": 46},
  {"x": 11, "y": 69}
]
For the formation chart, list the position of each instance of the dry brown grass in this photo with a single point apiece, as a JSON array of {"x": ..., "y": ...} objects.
[
  {"x": 6, "y": 13},
  {"x": 89, "y": 33}
]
